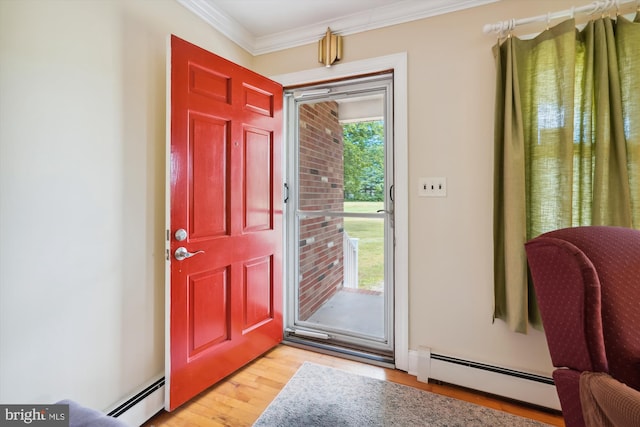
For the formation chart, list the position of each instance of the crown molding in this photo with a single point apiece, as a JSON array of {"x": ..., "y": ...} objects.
[
  {"x": 222, "y": 22},
  {"x": 406, "y": 11},
  {"x": 397, "y": 13}
]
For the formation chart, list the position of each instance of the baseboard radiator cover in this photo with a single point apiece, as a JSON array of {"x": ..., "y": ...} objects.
[
  {"x": 140, "y": 407},
  {"x": 523, "y": 386}
]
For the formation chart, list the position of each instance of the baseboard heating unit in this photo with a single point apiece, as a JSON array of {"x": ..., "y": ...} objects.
[
  {"x": 138, "y": 408},
  {"x": 523, "y": 386}
]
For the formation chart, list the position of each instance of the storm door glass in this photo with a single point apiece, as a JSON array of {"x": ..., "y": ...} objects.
[{"x": 342, "y": 216}]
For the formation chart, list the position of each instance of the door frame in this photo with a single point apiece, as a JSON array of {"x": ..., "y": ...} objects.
[{"x": 397, "y": 62}]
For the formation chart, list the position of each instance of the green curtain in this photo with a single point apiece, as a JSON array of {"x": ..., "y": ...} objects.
[{"x": 567, "y": 144}]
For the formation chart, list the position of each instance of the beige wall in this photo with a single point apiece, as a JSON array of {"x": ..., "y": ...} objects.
[
  {"x": 451, "y": 82},
  {"x": 82, "y": 161},
  {"x": 82, "y": 183}
]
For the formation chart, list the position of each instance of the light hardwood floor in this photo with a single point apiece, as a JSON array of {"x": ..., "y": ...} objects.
[{"x": 239, "y": 399}]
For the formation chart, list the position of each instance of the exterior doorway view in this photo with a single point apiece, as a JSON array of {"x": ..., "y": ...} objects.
[{"x": 340, "y": 217}]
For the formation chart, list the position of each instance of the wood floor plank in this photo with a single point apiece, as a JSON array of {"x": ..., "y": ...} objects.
[{"x": 239, "y": 399}]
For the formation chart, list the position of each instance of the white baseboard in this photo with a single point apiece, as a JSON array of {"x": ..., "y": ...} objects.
[
  {"x": 474, "y": 376},
  {"x": 139, "y": 408}
]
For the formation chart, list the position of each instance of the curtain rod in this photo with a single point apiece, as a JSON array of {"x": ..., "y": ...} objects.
[{"x": 503, "y": 27}]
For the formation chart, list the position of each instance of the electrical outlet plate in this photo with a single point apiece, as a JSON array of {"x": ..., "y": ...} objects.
[{"x": 433, "y": 187}]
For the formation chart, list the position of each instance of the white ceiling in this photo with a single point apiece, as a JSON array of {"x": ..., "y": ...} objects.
[{"x": 262, "y": 26}]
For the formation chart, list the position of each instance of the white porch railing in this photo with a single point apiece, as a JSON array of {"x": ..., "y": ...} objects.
[{"x": 350, "y": 263}]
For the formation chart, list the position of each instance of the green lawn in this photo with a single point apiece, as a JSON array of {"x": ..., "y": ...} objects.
[
  {"x": 363, "y": 207},
  {"x": 370, "y": 231}
]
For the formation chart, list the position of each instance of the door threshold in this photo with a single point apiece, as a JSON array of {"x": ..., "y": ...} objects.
[{"x": 345, "y": 353}]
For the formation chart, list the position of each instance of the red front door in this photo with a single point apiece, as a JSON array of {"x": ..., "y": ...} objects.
[{"x": 225, "y": 300}]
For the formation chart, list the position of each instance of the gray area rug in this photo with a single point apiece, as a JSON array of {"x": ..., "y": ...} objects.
[{"x": 323, "y": 396}]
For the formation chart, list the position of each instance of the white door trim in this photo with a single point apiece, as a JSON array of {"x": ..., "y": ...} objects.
[{"x": 397, "y": 62}]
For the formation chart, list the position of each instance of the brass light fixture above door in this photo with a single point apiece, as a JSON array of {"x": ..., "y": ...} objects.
[{"x": 330, "y": 48}]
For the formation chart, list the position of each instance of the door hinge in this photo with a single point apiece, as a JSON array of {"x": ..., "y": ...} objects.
[{"x": 286, "y": 193}]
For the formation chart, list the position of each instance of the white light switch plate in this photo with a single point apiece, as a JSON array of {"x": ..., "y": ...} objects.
[{"x": 433, "y": 187}]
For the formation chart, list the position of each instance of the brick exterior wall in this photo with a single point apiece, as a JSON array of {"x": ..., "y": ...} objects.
[{"x": 321, "y": 186}]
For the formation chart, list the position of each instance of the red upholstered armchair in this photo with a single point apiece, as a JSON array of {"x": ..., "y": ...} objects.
[{"x": 587, "y": 283}]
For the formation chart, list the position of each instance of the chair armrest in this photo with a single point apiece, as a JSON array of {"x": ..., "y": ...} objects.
[{"x": 606, "y": 402}]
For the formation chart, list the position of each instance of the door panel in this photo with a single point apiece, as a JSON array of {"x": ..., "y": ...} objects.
[
  {"x": 225, "y": 299},
  {"x": 258, "y": 212},
  {"x": 209, "y": 299},
  {"x": 258, "y": 302},
  {"x": 208, "y": 183}
]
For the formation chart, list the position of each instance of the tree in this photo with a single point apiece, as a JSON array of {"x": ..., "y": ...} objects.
[{"x": 364, "y": 161}]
